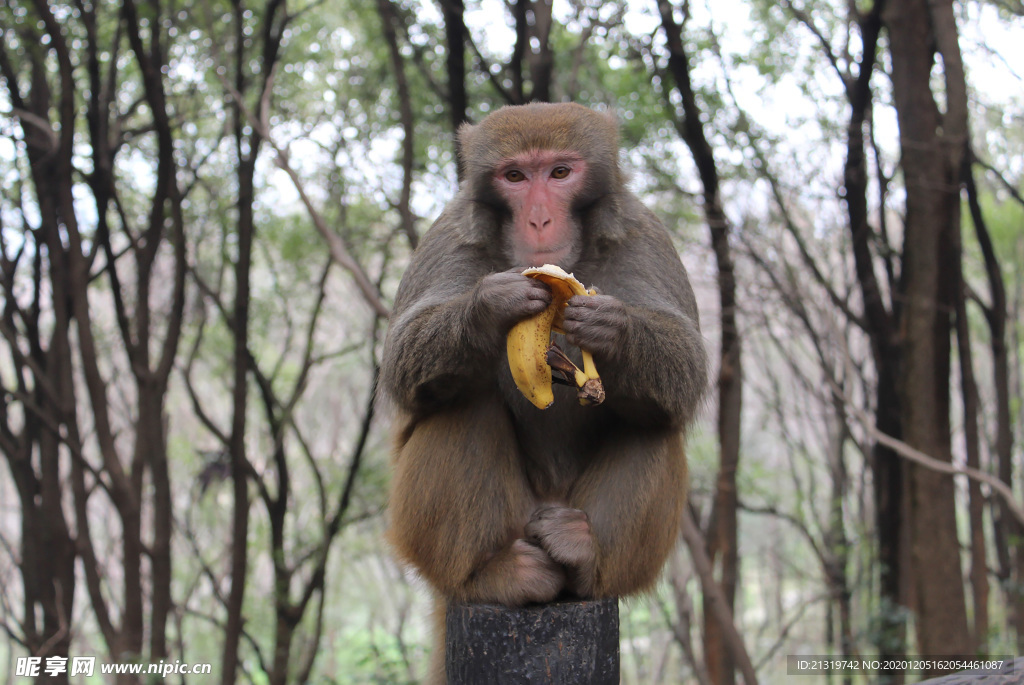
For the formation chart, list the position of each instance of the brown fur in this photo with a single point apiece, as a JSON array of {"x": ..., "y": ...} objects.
[
  {"x": 494, "y": 500},
  {"x": 542, "y": 126}
]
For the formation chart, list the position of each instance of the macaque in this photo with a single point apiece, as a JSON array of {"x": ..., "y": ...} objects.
[{"x": 492, "y": 499}]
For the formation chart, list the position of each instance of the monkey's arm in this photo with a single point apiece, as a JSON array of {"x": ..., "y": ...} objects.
[
  {"x": 662, "y": 368},
  {"x": 450, "y": 320},
  {"x": 644, "y": 333},
  {"x": 652, "y": 360}
]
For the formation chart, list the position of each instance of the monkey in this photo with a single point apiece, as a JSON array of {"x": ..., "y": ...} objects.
[{"x": 493, "y": 500}]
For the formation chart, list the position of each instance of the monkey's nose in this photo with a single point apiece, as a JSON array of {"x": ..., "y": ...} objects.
[{"x": 539, "y": 225}]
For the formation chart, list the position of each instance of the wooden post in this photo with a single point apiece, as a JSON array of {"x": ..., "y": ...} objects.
[{"x": 567, "y": 643}]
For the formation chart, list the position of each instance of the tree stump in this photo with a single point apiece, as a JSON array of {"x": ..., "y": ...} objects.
[{"x": 565, "y": 642}]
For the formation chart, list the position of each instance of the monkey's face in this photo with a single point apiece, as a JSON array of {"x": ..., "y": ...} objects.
[
  {"x": 538, "y": 168},
  {"x": 538, "y": 188}
]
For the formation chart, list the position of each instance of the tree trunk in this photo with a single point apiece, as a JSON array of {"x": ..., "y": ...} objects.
[
  {"x": 837, "y": 545},
  {"x": 972, "y": 437},
  {"x": 47, "y": 563},
  {"x": 976, "y": 501},
  {"x": 519, "y": 14},
  {"x": 542, "y": 61},
  {"x": 455, "y": 34},
  {"x": 931, "y": 144},
  {"x": 881, "y": 324},
  {"x": 389, "y": 24},
  {"x": 1005, "y": 526},
  {"x": 240, "y": 366},
  {"x": 714, "y": 599},
  {"x": 722, "y": 534}
]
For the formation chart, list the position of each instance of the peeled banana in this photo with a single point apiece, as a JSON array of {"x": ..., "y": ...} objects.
[{"x": 532, "y": 355}]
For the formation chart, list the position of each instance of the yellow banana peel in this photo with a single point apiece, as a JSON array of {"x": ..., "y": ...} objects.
[{"x": 532, "y": 355}]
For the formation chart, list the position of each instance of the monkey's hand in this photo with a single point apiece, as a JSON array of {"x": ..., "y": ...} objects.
[
  {"x": 652, "y": 358},
  {"x": 565, "y": 534},
  {"x": 599, "y": 323},
  {"x": 503, "y": 299},
  {"x": 522, "y": 573}
]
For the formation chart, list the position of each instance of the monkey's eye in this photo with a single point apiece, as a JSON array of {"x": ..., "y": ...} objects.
[
  {"x": 560, "y": 172},
  {"x": 515, "y": 176}
]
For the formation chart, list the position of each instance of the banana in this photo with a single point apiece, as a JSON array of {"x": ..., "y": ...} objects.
[
  {"x": 530, "y": 369},
  {"x": 531, "y": 355}
]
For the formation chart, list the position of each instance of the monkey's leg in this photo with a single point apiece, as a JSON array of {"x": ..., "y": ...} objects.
[
  {"x": 459, "y": 503},
  {"x": 621, "y": 520}
]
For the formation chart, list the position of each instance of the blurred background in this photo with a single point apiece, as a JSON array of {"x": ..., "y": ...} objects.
[{"x": 206, "y": 208}]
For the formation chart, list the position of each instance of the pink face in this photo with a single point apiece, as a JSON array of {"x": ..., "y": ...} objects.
[{"x": 539, "y": 187}]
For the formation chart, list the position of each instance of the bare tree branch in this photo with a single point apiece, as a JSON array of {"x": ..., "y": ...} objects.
[
  {"x": 714, "y": 598},
  {"x": 335, "y": 243}
]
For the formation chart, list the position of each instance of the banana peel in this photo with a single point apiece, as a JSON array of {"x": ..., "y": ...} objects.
[{"x": 532, "y": 355}]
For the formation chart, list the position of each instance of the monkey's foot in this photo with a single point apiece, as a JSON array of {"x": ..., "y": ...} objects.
[
  {"x": 537, "y": 577},
  {"x": 564, "y": 533}
]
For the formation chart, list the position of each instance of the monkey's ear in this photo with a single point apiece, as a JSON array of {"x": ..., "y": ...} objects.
[
  {"x": 611, "y": 117},
  {"x": 466, "y": 132},
  {"x": 463, "y": 142}
]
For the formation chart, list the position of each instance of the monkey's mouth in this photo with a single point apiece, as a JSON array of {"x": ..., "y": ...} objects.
[{"x": 553, "y": 256}]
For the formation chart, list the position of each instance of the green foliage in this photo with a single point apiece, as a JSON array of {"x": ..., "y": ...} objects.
[
  {"x": 372, "y": 656},
  {"x": 1004, "y": 219}
]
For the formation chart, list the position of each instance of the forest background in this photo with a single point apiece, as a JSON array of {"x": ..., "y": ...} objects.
[{"x": 206, "y": 208}]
